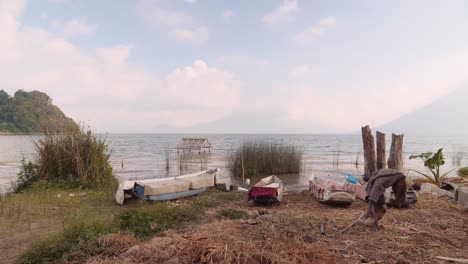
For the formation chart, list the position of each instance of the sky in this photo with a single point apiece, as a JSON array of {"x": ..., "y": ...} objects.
[{"x": 253, "y": 66}]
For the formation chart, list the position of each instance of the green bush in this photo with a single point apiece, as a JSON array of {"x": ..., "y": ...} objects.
[
  {"x": 26, "y": 176},
  {"x": 232, "y": 214},
  {"x": 75, "y": 157},
  {"x": 79, "y": 238},
  {"x": 462, "y": 171},
  {"x": 264, "y": 158},
  {"x": 432, "y": 161},
  {"x": 149, "y": 221}
]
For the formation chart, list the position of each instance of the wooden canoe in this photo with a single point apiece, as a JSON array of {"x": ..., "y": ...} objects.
[{"x": 167, "y": 188}]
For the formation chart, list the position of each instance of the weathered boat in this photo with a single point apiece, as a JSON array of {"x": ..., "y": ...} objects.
[
  {"x": 331, "y": 192},
  {"x": 269, "y": 190},
  {"x": 167, "y": 188}
]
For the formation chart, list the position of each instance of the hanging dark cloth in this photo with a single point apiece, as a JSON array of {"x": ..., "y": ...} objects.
[{"x": 375, "y": 190}]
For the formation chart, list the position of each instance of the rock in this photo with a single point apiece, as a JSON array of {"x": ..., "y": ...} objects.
[
  {"x": 308, "y": 239},
  {"x": 263, "y": 212},
  {"x": 435, "y": 190},
  {"x": 461, "y": 196},
  {"x": 83, "y": 194},
  {"x": 264, "y": 218}
]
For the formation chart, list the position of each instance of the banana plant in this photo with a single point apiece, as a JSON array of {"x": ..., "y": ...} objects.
[{"x": 432, "y": 161}]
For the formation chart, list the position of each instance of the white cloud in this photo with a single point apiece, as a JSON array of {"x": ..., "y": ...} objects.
[
  {"x": 115, "y": 55},
  {"x": 76, "y": 27},
  {"x": 299, "y": 70},
  {"x": 190, "y": 1},
  {"x": 175, "y": 23},
  {"x": 196, "y": 36},
  {"x": 379, "y": 100},
  {"x": 243, "y": 60},
  {"x": 227, "y": 15},
  {"x": 104, "y": 87},
  {"x": 314, "y": 31},
  {"x": 284, "y": 13}
]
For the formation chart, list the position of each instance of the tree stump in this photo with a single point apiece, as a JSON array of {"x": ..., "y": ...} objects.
[
  {"x": 381, "y": 160},
  {"x": 369, "y": 152},
  {"x": 395, "y": 158}
]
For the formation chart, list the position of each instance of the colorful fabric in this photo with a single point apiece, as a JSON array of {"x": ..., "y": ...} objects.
[{"x": 256, "y": 191}]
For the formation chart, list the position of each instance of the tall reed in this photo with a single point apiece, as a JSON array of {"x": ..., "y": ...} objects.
[
  {"x": 75, "y": 157},
  {"x": 264, "y": 158}
]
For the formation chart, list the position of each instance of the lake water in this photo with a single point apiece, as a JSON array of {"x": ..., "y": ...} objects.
[{"x": 143, "y": 156}]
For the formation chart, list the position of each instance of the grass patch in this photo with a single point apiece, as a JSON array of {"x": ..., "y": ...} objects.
[
  {"x": 232, "y": 214},
  {"x": 213, "y": 197},
  {"x": 264, "y": 158},
  {"x": 463, "y": 172},
  {"x": 78, "y": 238},
  {"x": 155, "y": 219}
]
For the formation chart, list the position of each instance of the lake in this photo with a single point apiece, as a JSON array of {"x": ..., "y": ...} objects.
[{"x": 143, "y": 156}]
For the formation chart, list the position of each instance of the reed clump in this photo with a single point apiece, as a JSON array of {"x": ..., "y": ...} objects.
[
  {"x": 265, "y": 158},
  {"x": 72, "y": 158}
]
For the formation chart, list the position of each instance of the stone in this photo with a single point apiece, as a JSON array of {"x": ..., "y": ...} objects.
[
  {"x": 461, "y": 196},
  {"x": 435, "y": 190}
]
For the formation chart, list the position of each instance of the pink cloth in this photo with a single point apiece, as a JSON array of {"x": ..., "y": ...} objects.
[{"x": 262, "y": 191}]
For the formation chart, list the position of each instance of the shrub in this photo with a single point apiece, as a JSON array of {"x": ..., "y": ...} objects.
[
  {"x": 232, "y": 214},
  {"x": 462, "y": 171},
  {"x": 26, "y": 176},
  {"x": 148, "y": 221},
  {"x": 263, "y": 158},
  {"x": 75, "y": 157},
  {"x": 78, "y": 238},
  {"x": 432, "y": 161}
]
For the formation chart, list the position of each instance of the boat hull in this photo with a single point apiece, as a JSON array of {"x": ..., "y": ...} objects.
[
  {"x": 331, "y": 193},
  {"x": 267, "y": 191},
  {"x": 139, "y": 192}
]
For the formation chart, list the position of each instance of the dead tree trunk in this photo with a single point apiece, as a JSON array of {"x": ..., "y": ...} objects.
[
  {"x": 381, "y": 160},
  {"x": 369, "y": 152},
  {"x": 395, "y": 158}
]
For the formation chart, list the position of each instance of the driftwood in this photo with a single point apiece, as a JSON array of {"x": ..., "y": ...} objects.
[
  {"x": 381, "y": 160},
  {"x": 395, "y": 158},
  {"x": 369, "y": 152}
]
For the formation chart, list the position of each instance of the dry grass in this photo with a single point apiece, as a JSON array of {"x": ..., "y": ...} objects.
[{"x": 290, "y": 233}]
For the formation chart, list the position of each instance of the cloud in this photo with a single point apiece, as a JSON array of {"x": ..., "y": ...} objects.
[
  {"x": 190, "y": 1},
  {"x": 196, "y": 36},
  {"x": 115, "y": 55},
  {"x": 243, "y": 61},
  {"x": 174, "y": 23},
  {"x": 104, "y": 87},
  {"x": 284, "y": 13},
  {"x": 299, "y": 70},
  {"x": 314, "y": 31},
  {"x": 227, "y": 15},
  {"x": 76, "y": 27},
  {"x": 376, "y": 101}
]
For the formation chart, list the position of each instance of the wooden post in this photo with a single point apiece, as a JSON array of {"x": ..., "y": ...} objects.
[
  {"x": 369, "y": 152},
  {"x": 395, "y": 158},
  {"x": 381, "y": 160}
]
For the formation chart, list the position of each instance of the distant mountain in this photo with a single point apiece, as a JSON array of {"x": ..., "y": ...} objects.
[
  {"x": 30, "y": 112},
  {"x": 445, "y": 116},
  {"x": 247, "y": 123}
]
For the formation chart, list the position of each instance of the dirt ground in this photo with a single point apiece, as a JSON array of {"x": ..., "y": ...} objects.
[{"x": 290, "y": 233}]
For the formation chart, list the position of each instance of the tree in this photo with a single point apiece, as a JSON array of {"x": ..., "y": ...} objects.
[{"x": 432, "y": 161}]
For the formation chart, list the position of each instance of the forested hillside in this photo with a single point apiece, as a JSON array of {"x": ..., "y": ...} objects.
[{"x": 30, "y": 112}]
